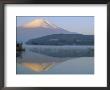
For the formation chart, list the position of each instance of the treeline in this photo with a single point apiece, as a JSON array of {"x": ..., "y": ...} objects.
[{"x": 63, "y": 39}]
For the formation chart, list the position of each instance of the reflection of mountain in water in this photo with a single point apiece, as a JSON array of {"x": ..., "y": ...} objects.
[
  {"x": 42, "y": 59},
  {"x": 39, "y": 66},
  {"x": 37, "y": 62}
]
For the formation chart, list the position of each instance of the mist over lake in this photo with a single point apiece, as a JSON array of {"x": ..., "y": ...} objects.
[{"x": 42, "y": 60}]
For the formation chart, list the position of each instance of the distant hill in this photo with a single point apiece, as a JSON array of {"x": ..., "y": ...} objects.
[
  {"x": 38, "y": 28},
  {"x": 63, "y": 39}
]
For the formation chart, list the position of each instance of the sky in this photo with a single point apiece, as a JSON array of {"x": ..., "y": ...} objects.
[{"x": 79, "y": 24}]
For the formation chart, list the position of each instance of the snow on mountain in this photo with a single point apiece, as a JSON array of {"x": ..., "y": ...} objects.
[
  {"x": 39, "y": 23},
  {"x": 38, "y": 28}
]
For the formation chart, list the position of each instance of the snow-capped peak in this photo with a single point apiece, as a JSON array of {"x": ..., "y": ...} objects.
[{"x": 39, "y": 23}]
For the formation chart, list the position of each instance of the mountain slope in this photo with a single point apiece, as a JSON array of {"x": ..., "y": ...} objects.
[
  {"x": 38, "y": 28},
  {"x": 63, "y": 39}
]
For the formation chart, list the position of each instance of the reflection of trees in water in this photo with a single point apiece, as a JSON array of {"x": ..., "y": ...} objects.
[{"x": 19, "y": 54}]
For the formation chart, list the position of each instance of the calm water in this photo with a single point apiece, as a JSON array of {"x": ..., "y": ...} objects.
[{"x": 56, "y": 60}]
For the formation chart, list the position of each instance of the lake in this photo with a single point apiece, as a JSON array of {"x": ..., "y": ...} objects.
[{"x": 42, "y": 59}]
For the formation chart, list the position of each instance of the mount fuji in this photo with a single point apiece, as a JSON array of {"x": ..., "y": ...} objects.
[{"x": 38, "y": 28}]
